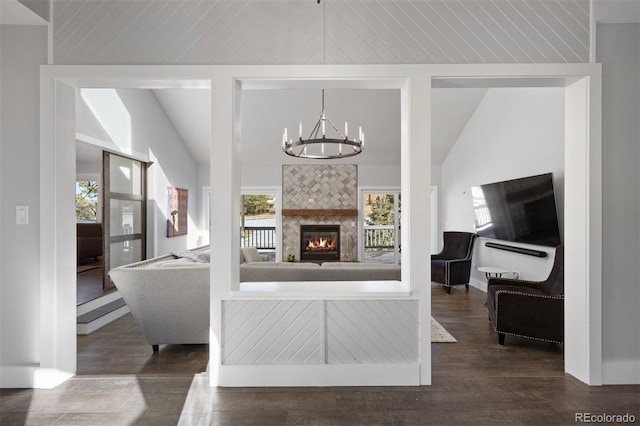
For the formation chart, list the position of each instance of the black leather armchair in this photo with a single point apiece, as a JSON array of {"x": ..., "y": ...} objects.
[
  {"x": 452, "y": 266},
  {"x": 531, "y": 309}
]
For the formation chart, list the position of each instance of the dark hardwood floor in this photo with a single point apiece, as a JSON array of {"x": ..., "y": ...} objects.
[
  {"x": 89, "y": 280},
  {"x": 475, "y": 382}
]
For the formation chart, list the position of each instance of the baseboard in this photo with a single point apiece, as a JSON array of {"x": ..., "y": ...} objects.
[
  {"x": 621, "y": 372},
  {"x": 480, "y": 285},
  {"x": 319, "y": 375},
  {"x": 31, "y": 376}
]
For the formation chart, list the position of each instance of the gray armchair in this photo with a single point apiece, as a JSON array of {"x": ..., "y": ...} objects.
[
  {"x": 452, "y": 266},
  {"x": 531, "y": 309}
]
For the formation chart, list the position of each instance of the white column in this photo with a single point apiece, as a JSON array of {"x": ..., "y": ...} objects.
[
  {"x": 583, "y": 231},
  {"x": 225, "y": 205},
  {"x": 57, "y": 273},
  {"x": 416, "y": 192}
]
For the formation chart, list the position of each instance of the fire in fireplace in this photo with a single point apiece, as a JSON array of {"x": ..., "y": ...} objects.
[{"x": 320, "y": 242}]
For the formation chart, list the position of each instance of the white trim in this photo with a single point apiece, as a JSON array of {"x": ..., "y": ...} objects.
[
  {"x": 480, "y": 285},
  {"x": 319, "y": 375},
  {"x": 31, "y": 376},
  {"x": 205, "y": 213},
  {"x": 57, "y": 343},
  {"x": 620, "y": 372},
  {"x": 323, "y": 290},
  {"x": 435, "y": 228}
]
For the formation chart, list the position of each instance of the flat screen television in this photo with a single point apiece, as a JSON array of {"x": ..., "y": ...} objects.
[{"x": 519, "y": 210}]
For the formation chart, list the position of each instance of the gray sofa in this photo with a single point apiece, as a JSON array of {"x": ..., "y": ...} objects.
[
  {"x": 328, "y": 271},
  {"x": 169, "y": 295},
  {"x": 254, "y": 269}
]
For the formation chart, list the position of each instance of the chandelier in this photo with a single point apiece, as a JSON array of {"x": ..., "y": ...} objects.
[{"x": 320, "y": 147}]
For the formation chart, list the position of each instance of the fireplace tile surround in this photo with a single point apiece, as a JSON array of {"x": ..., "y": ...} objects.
[{"x": 333, "y": 186}]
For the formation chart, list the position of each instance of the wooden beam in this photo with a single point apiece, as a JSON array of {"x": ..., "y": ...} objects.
[{"x": 319, "y": 212}]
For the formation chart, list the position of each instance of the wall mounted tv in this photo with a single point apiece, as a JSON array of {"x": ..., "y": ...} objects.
[{"x": 519, "y": 210}]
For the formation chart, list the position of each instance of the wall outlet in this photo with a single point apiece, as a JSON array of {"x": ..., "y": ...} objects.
[{"x": 516, "y": 275}]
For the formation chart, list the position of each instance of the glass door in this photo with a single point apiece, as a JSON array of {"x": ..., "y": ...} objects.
[
  {"x": 381, "y": 230},
  {"x": 260, "y": 221},
  {"x": 124, "y": 212}
]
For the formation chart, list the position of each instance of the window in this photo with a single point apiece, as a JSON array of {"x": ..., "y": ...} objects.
[
  {"x": 86, "y": 200},
  {"x": 260, "y": 222},
  {"x": 381, "y": 226}
]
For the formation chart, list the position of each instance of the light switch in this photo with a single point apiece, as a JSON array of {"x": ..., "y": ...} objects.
[{"x": 22, "y": 215}]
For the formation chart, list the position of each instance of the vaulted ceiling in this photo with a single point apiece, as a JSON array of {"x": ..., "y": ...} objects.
[{"x": 266, "y": 113}]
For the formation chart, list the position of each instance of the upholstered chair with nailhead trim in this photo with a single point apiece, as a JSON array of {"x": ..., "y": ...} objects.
[
  {"x": 452, "y": 266},
  {"x": 530, "y": 309}
]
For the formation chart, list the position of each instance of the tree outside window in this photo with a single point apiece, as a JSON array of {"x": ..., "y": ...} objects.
[{"x": 86, "y": 201}]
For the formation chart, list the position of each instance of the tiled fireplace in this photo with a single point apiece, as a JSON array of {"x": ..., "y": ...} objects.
[{"x": 320, "y": 196}]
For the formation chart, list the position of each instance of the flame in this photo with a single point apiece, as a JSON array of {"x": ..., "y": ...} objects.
[{"x": 321, "y": 244}]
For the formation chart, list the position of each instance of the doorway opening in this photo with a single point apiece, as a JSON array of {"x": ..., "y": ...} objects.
[
  {"x": 56, "y": 240},
  {"x": 89, "y": 230}
]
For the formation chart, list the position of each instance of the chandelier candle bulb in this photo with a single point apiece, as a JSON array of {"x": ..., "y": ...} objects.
[
  {"x": 301, "y": 130},
  {"x": 346, "y": 130}
]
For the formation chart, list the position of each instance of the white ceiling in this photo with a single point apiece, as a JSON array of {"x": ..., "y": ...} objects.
[{"x": 13, "y": 12}]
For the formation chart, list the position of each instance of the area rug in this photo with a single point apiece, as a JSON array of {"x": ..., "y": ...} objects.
[{"x": 439, "y": 334}]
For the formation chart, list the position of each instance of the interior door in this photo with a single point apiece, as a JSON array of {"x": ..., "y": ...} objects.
[{"x": 124, "y": 212}]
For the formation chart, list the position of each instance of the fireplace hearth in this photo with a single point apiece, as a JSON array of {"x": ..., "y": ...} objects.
[{"x": 320, "y": 242}]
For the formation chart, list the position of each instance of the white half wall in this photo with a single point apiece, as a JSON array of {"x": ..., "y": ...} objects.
[
  {"x": 618, "y": 48},
  {"x": 514, "y": 132}
]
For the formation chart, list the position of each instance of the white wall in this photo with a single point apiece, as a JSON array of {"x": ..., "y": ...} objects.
[
  {"x": 618, "y": 47},
  {"x": 22, "y": 50},
  {"x": 265, "y": 113},
  {"x": 88, "y": 168},
  {"x": 152, "y": 134},
  {"x": 514, "y": 132}
]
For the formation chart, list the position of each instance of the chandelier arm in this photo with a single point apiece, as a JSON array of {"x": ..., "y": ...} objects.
[
  {"x": 336, "y": 129},
  {"x": 316, "y": 129}
]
